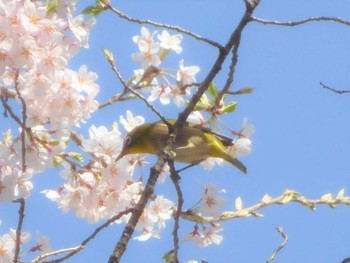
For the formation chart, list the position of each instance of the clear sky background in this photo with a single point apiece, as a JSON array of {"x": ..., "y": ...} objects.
[{"x": 302, "y": 138}]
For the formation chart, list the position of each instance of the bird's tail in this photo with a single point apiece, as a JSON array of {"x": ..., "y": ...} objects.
[{"x": 237, "y": 163}]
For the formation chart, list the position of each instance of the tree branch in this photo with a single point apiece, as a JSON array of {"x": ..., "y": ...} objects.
[
  {"x": 170, "y": 27},
  {"x": 83, "y": 244},
  {"x": 164, "y": 156},
  {"x": 289, "y": 196},
  {"x": 334, "y": 90},
  {"x": 18, "y": 243},
  {"x": 149, "y": 72},
  {"x": 234, "y": 38},
  {"x": 175, "y": 179},
  {"x": 304, "y": 21},
  {"x": 231, "y": 73},
  {"x": 138, "y": 210},
  {"x": 284, "y": 242}
]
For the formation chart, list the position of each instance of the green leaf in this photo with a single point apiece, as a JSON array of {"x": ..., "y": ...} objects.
[
  {"x": 76, "y": 156},
  {"x": 168, "y": 257},
  {"x": 230, "y": 107},
  {"x": 109, "y": 55},
  {"x": 246, "y": 90},
  {"x": 213, "y": 90},
  {"x": 340, "y": 194},
  {"x": 307, "y": 203},
  {"x": 57, "y": 161},
  {"x": 51, "y": 6},
  {"x": 327, "y": 197},
  {"x": 238, "y": 203},
  {"x": 93, "y": 10}
]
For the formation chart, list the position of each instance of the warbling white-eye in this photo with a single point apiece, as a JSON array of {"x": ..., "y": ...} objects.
[{"x": 193, "y": 143}]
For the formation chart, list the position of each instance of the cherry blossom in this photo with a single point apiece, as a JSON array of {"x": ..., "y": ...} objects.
[
  {"x": 196, "y": 117},
  {"x": 131, "y": 122},
  {"x": 170, "y": 42},
  {"x": 103, "y": 143},
  {"x": 186, "y": 75},
  {"x": 7, "y": 246},
  {"x": 210, "y": 201},
  {"x": 42, "y": 245},
  {"x": 148, "y": 55},
  {"x": 210, "y": 236},
  {"x": 207, "y": 237},
  {"x": 154, "y": 217},
  {"x": 243, "y": 145}
]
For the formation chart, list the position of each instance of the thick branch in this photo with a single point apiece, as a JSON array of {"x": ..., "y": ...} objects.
[
  {"x": 234, "y": 38},
  {"x": 164, "y": 156},
  {"x": 138, "y": 210}
]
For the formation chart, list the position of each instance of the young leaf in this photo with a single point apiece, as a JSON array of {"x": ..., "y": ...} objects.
[
  {"x": 109, "y": 55},
  {"x": 230, "y": 107},
  {"x": 51, "y": 6},
  {"x": 213, "y": 90},
  {"x": 340, "y": 194},
  {"x": 266, "y": 199},
  {"x": 238, "y": 203},
  {"x": 246, "y": 90},
  {"x": 93, "y": 10},
  {"x": 327, "y": 197}
]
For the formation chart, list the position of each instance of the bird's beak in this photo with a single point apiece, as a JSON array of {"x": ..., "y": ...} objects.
[{"x": 121, "y": 155}]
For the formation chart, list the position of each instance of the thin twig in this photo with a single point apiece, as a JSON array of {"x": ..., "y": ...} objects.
[
  {"x": 150, "y": 71},
  {"x": 115, "y": 98},
  {"x": 23, "y": 123},
  {"x": 304, "y": 21},
  {"x": 231, "y": 73},
  {"x": 23, "y": 168},
  {"x": 55, "y": 253},
  {"x": 9, "y": 110},
  {"x": 289, "y": 196},
  {"x": 334, "y": 90},
  {"x": 85, "y": 242},
  {"x": 22, "y": 203},
  {"x": 175, "y": 179},
  {"x": 170, "y": 27},
  {"x": 285, "y": 240}
]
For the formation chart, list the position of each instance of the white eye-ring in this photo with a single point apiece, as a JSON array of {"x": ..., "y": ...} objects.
[{"x": 127, "y": 140}]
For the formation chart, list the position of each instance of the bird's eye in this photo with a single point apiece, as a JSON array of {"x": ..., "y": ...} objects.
[{"x": 127, "y": 140}]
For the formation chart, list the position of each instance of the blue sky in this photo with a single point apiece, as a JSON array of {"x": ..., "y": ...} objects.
[{"x": 301, "y": 142}]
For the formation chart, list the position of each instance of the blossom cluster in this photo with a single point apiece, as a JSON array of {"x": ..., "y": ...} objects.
[
  {"x": 151, "y": 54},
  {"x": 109, "y": 187},
  {"x": 8, "y": 244},
  {"x": 35, "y": 47}
]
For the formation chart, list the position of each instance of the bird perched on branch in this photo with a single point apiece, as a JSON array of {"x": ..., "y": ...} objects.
[{"x": 193, "y": 144}]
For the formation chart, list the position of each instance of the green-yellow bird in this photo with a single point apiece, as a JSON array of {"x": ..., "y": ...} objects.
[{"x": 193, "y": 144}]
